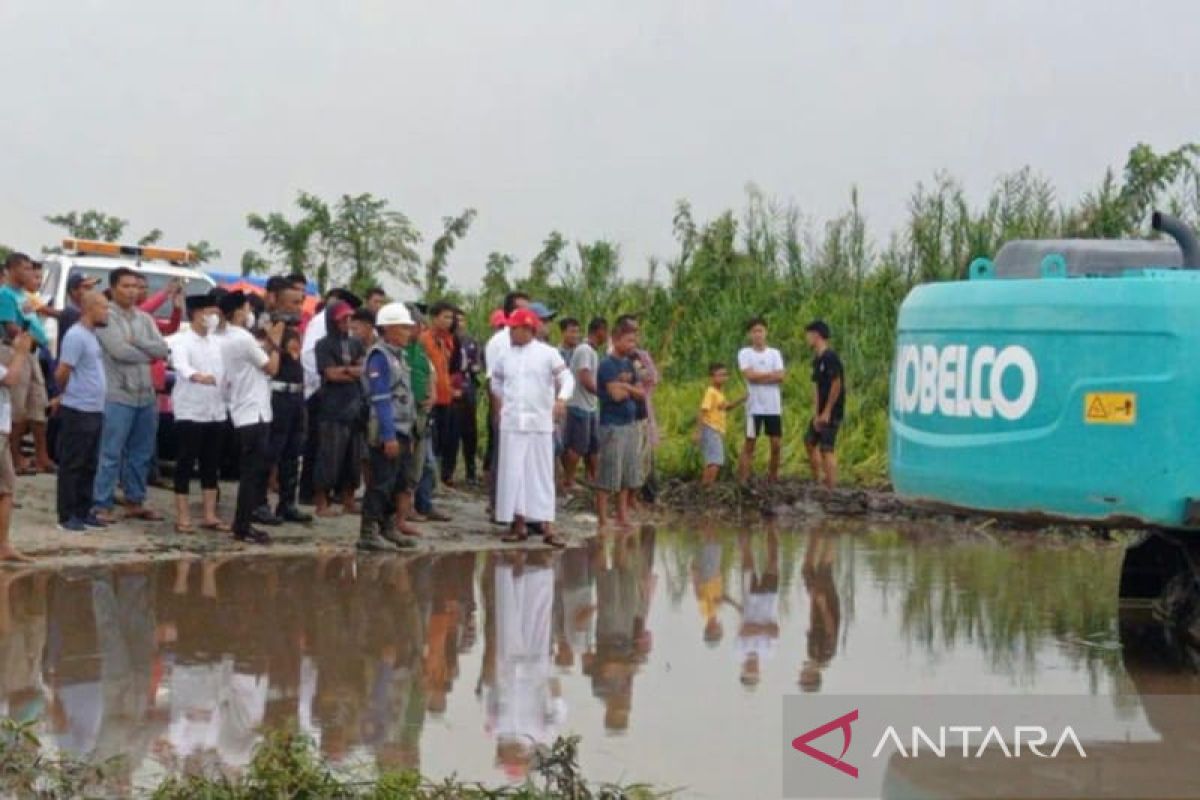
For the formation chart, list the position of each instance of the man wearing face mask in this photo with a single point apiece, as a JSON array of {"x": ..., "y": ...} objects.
[{"x": 199, "y": 411}]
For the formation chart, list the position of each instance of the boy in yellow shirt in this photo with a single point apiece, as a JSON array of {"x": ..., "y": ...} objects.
[{"x": 713, "y": 422}]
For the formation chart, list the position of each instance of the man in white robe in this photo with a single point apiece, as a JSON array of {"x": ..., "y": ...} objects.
[{"x": 532, "y": 385}]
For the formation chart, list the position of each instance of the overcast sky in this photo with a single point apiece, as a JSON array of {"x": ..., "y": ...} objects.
[{"x": 588, "y": 117}]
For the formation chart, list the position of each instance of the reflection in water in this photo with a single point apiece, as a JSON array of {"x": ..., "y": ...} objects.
[{"x": 182, "y": 666}]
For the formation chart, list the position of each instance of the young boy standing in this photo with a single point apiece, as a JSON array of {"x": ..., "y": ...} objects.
[
  {"x": 828, "y": 375},
  {"x": 713, "y": 422},
  {"x": 762, "y": 367}
]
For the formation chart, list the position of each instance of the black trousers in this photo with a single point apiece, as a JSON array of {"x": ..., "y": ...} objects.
[
  {"x": 256, "y": 473},
  {"x": 287, "y": 444},
  {"x": 312, "y": 439},
  {"x": 468, "y": 429},
  {"x": 445, "y": 439},
  {"x": 78, "y": 454},
  {"x": 389, "y": 477},
  {"x": 197, "y": 442}
]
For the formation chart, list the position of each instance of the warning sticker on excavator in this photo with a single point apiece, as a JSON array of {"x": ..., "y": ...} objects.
[{"x": 1110, "y": 408}]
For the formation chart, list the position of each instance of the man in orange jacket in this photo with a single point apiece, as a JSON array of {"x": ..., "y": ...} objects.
[{"x": 439, "y": 345}]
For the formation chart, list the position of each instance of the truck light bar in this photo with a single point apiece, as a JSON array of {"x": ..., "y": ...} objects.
[{"x": 132, "y": 251}]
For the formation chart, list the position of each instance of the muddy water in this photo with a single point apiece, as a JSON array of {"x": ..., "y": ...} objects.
[{"x": 667, "y": 652}]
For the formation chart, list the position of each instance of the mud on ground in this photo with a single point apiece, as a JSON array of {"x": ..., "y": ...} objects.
[
  {"x": 794, "y": 500},
  {"x": 34, "y": 531}
]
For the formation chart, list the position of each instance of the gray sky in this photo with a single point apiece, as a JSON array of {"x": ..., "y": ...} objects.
[{"x": 589, "y": 117}]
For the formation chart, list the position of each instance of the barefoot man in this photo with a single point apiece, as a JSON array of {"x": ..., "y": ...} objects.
[
  {"x": 22, "y": 345},
  {"x": 532, "y": 385}
]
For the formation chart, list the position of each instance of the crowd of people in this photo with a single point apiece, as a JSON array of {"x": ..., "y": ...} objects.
[{"x": 364, "y": 395}]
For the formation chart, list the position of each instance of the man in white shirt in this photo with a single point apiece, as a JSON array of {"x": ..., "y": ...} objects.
[
  {"x": 530, "y": 386},
  {"x": 496, "y": 347},
  {"x": 762, "y": 367},
  {"x": 249, "y": 365},
  {"x": 199, "y": 410}
]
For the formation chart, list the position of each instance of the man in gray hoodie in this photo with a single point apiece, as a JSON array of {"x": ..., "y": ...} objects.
[{"x": 130, "y": 342}]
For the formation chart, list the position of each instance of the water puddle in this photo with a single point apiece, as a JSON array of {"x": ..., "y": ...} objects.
[{"x": 668, "y": 652}]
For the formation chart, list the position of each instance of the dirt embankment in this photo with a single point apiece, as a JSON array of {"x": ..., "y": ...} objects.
[
  {"x": 803, "y": 500},
  {"x": 34, "y": 531}
]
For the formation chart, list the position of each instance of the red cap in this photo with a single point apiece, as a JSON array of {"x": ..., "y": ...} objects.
[
  {"x": 341, "y": 310},
  {"x": 524, "y": 318},
  {"x": 498, "y": 320}
]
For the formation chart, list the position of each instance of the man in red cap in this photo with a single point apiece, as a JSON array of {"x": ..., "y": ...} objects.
[
  {"x": 531, "y": 385},
  {"x": 339, "y": 456}
]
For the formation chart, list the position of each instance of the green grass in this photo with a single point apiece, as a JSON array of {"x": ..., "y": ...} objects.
[{"x": 287, "y": 765}]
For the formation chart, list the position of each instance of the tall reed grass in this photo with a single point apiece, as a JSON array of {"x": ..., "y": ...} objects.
[{"x": 769, "y": 260}]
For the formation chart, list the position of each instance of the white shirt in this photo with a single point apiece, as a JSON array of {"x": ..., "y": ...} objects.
[
  {"x": 494, "y": 350},
  {"x": 193, "y": 354},
  {"x": 764, "y": 398},
  {"x": 314, "y": 333},
  {"x": 247, "y": 387},
  {"x": 526, "y": 379}
]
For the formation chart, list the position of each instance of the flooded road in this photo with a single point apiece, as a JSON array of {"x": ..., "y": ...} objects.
[{"x": 668, "y": 652}]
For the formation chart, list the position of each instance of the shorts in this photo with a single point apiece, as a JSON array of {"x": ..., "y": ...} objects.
[
  {"x": 579, "y": 433},
  {"x": 825, "y": 437},
  {"x": 757, "y": 424},
  {"x": 8, "y": 475},
  {"x": 620, "y": 458},
  {"x": 29, "y": 397},
  {"x": 712, "y": 447}
]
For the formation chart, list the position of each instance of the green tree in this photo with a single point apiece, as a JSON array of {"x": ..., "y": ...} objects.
[
  {"x": 453, "y": 230},
  {"x": 370, "y": 241},
  {"x": 153, "y": 237},
  {"x": 545, "y": 264},
  {"x": 203, "y": 251},
  {"x": 90, "y": 224},
  {"x": 253, "y": 263},
  {"x": 305, "y": 244},
  {"x": 495, "y": 276}
]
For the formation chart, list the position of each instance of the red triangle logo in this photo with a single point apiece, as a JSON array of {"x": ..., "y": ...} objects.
[{"x": 842, "y": 723}]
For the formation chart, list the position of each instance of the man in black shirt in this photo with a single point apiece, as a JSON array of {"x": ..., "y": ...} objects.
[
  {"x": 287, "y": 429},
  {"x": 340, "y": 449},
  {"x": 830, "y": 381}
]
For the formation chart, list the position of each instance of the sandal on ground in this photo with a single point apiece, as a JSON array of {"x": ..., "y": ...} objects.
[
  {"x": 554, "y": 540},
  {"x": 218, "y": 526},
  {"x": 145, "y": 514},
  {"x": 512, "y": 537},
  {"x": 188, "y": 528}
]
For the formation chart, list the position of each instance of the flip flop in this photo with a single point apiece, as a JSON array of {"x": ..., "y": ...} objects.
[
  {"x": 219, "y": 527},
  {"x": 514, "y": 538},
  {"x": 144, "y": 514},
  {"x": 184, "y": 528},
  {"x": 553, "y": 540}
]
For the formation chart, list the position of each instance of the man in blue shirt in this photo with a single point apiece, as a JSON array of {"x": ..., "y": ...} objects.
[
  {"x": 619, "y": 469},
  {"x": 389, "y": 434},
  {"x": 81, "y": 375},
  {"x": 29, "y": 395}
]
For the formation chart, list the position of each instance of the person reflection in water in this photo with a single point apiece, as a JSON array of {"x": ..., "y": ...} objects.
[
  {"x": 758, "y": 633},
  {"x": 825, "y": 613},
  {"x": 622, "y": 639},
  {"x": 22, "y": 642},
  {"x": 575, "y": 605},
  {"x": 708, "y": 581},
  {"x": 524, "y": 703}
]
